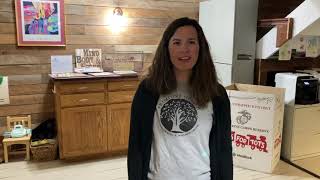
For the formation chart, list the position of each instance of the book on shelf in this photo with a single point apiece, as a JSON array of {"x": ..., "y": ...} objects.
[
  {"x": 68, "y": 75},
  {"x": 88, "y": 70},
  {"x": 114, "y": 74},
  {"x": 126, "y": 73},
  {"x": 104, "y": 74}
]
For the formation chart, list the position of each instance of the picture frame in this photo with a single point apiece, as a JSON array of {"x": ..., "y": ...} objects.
[{"x": 40, "y": 22}]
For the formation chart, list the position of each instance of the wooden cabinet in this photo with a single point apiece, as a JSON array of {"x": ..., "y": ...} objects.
[
  {"x": 301, "y": 132},
  {"x": 84, "y": 130},
  {"x": 93, "y": 115}
]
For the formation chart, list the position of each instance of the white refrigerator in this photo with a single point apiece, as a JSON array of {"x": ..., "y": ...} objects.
[{"x": 230, "y": 27}]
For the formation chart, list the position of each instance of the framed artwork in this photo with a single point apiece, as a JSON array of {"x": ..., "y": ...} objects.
[{"x": 40, "y": 22}]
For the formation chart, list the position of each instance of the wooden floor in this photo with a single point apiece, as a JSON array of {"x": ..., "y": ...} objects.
[
  {"x": 115, "y": 169},
  {"x": 311, "y": 164}
]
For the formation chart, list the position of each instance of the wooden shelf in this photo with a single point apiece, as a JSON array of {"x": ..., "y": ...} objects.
[{"x": 265, "y": 66}]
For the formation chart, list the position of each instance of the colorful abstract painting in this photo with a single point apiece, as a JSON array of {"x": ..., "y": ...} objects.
[{"x": 40, "y": 23}]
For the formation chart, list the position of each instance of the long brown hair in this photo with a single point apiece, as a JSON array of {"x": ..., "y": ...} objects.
[{"x": 203, "y": 81}]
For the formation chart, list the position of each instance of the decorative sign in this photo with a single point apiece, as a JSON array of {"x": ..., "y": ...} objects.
[
  {"x": 312, "y": 46},
  {"x": 88, "y": 60},
  {"x": 123, "y": 62},
  {"x": 4, "y": 90},
  {"x": 285, "y": 51},
  {"x": 300, "y": 43},
  {"x": 61, "y": 64}
]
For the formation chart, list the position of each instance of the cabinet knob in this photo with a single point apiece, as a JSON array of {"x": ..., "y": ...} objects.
[
  {"x": 83, "y": 87},
  {"x": 83, "y": 100}
]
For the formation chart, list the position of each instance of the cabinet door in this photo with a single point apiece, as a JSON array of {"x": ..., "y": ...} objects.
[
  {"x": 306, "y": 132},
  {"x": 84, "y": 130},
  {"x": 118, "y": 126}
]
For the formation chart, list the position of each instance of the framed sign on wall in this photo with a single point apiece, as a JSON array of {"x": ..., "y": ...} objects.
[{"x": 40, "y": 22}]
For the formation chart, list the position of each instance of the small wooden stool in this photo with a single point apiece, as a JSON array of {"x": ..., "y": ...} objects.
[{"x": 11, "y": 122}]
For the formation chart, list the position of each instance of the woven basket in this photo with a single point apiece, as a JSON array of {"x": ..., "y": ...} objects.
[{"x": 45, "y": 152}]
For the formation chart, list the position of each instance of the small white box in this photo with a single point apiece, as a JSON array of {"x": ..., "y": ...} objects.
[{"x": 256, "y": 125}]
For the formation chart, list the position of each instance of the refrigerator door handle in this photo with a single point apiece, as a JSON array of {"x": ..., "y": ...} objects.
[{"x": 244, "y": 57}]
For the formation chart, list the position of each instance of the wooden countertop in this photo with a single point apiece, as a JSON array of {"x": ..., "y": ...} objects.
[{"x": 91, "y": 77}]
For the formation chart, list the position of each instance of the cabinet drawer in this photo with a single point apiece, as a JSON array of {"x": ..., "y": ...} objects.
[
  {"x": 307, "y": 120},
  {"x": 85, "y": 87},
  {"x": 123, "y": 85},
  {"x": 120, "y": 96},
  {"x": 81, "y": 99}
]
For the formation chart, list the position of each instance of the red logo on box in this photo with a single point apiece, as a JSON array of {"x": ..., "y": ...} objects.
[{"x": 250, "y": 140}]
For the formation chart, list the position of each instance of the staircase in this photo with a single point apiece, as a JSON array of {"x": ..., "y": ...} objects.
[
  {"x": 306, "y": 21},
  {"x": 270, "y": 9}
]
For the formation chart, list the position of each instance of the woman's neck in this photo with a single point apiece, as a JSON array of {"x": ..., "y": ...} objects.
[{"x": 182, "y": 76}]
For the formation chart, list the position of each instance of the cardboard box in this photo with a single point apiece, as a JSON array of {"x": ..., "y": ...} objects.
[{"x": 257, "y": 120}]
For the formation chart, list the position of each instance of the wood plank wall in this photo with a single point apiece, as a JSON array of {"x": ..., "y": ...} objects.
[{"x": 28, "y": 67}]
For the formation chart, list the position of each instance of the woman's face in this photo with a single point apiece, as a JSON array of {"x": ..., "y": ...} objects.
[{"x": 184, "y": 49}]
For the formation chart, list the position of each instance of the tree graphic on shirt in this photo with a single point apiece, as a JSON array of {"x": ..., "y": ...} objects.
[{"x": 178, "y": 115}]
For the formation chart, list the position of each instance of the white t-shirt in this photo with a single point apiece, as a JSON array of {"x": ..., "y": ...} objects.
[{"x": 180, "y": 146}]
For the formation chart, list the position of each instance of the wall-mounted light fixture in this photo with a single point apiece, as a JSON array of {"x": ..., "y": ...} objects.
[
  {"x": 117, "y": 11},
  {"x": 116, "y": 20}
]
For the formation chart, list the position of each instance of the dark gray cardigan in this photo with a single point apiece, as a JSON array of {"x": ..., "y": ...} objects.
[{"x": 141, "y": 133}]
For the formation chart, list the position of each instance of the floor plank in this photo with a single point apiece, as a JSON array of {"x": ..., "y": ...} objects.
[
  {"x": 311, "y": 164},
  {"x": 115, "y": 169}
]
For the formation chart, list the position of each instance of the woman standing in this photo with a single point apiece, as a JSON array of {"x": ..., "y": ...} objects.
[{"x": 180, "y": 116}]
